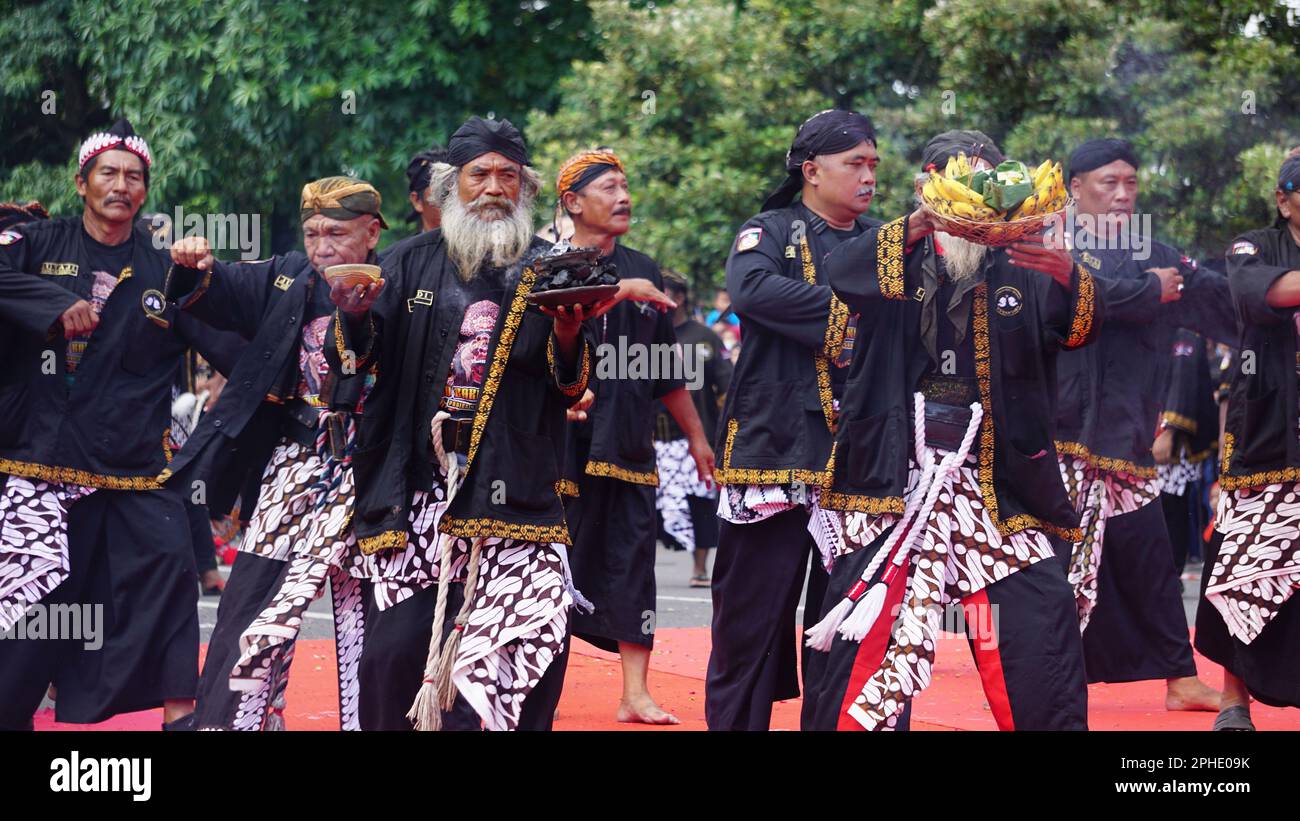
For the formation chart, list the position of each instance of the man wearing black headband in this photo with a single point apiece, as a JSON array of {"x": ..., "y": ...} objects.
[
  {"x": 1248, "y": 619},
  {"x": 85, "y": 410},
  {"x": 459, "y": 519},
  {"x": 612, "y": 460},
  {"x": 776, "y": 427},
  {"x": 426, "y": 214},
  {"x": 944, "y": 486},
  {"x": 1108, "y": 414},
  {"x": 279, "y": 438}
]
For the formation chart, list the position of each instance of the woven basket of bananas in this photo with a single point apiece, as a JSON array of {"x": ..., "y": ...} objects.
[{"x": 995, "y": 206}]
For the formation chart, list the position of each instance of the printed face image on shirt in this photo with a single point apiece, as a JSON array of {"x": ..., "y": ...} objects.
[
  {"x": 100, "y": 290},
  {"x": 312, "y": 365},
  {"x": 469, "y": 364}
]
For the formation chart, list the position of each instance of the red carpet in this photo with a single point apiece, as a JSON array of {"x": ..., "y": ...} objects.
[{"x": 593, "y": 684}]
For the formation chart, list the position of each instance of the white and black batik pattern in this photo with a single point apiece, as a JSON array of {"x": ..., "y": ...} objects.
[
  {"x": 33, "y": 542},
  {"x": 678, "y": 480},
  {"x": 1098, "y": 495},
  {"x": 1258, "y": 567},
  {"x": 959, "y": 553}
]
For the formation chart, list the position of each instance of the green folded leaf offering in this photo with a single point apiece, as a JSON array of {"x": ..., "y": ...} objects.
[{"x": 1006, "y": 186}]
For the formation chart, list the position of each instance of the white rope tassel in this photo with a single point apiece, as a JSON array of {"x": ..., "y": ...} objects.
[
  {"x": 854, "y": 616},
  {"x": 425, "y": 712},
  {"x": 821, "y": 635}
]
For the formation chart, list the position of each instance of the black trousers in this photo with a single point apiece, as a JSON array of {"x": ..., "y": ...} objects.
[
  {"x": 253, "y": 582},
  {"x": 1269, "y": 665},
  {"x": 612, "y": 524},
  {"x": 131, "y": 573},
  {"x": 1032, "y": 673},
  {"x": 1138, "y": 629},
  {"x": 392, "y": 667},
  {"x": 205, "y": 550},
  {"x": 758, "y": 573}
]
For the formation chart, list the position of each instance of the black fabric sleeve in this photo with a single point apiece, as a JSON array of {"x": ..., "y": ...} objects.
[
  {"x": 1182, "y": 403},
  {"x": 870, "y": 267},
  {"x": 762, "y": 294},
  {"x": 1071, "y": 318},
  {"x": 232, "y": 296},
  {"x": 1206, "y": 303},
  {"x": 28, "y": 301},
  {"x": 1249, "y": 278}
]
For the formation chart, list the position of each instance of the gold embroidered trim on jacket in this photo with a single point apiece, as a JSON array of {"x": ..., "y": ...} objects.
[
  {"x": 1177, "y": 420},
  {"x": 615, "y": 472},
  {"x": 584, "y": 373},
  {"x": 889, "y": 259},
  {"x": 1084, "y": 309},
  {"x": 1105, "y": 462},
  {"x": 204, "y": 284},
  {"x": 360, "y": 362},
  {"x": 499, "y": 359},
  {"x": 382, "y": 541},
  {"x": 1229, "y": 442},
  {"x": 987, "y": 443},
  {"x": 861, "y": 504},
  {"x": 821, "y": 362},
  {"x": 1267, "y": 477},
  {"x": 167, "y": 445},
  {"x": 836, "y": 328},
  {"x": 727, "y": 475},
  {"x": 541, "y": 534},
  {"x": 566, "y": 487},
  {"x": 73, "y": 476}
]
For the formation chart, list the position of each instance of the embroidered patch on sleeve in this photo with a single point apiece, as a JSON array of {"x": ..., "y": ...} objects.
[
  {"x": 1244, "y": 247},
  {"x": 9, "y": 237},
  {"x": 748, "y": 238}
]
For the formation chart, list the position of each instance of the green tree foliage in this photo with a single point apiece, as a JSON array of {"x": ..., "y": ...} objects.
[
  {"x": 243, "y": 101},
  {"x": 1206, "y": 94}
]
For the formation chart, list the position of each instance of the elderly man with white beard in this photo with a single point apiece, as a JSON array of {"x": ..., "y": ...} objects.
[
  {"x": 944, "y": 485},
  {"x": 458, "y": 519}
]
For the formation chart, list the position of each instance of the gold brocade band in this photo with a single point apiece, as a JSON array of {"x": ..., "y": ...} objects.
[
  {"x": 497, "y": 528},
  {"x": 73, "y": 476},
  {"x": 1177, "y": 420},
  {"x": 889, "y": 259},
  {"x": 613, "y": 471},
  {"x": 387, "y": 540},
  {"x": 1084, "y": 309},
  {"x": 1105, "y": 462}
]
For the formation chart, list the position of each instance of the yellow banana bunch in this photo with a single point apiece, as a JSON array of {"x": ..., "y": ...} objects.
[
  {"x": 1049, "y": 192},
  {"x": 949, "y": 198},
  {"x": 958, "y": 167}
]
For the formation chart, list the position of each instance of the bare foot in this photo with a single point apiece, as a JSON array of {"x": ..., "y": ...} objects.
[
  {"x": 1191, "y": 694},
  {"x": 643, "y": 711}
]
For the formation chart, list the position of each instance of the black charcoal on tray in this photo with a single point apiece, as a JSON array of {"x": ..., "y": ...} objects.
[{"x": 576, "y": 268}]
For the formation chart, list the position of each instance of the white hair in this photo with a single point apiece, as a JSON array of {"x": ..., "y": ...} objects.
[
  {"x": 472, "y": 239},
  {"x": 961, "y": 257}
]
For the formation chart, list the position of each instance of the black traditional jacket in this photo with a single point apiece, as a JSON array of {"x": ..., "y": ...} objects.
[
  {"x": 1190, "y": 407},
  {"x": 264, "y": 302},
  {"x": 778, "y": 418},
  {"x": 110, "y": 429},
  {"x": 1019, "y": 321},
  {"x": 636, "y": 363},
  {"x": 511, "y": 486},
  {"x": 1110, "y": 394},
  {"x": 1260, "y": 444}
]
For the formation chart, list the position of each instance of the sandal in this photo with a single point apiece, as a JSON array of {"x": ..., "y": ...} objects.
[
  {"x": 1234, "y": 719},
  {"x": 700, "y": 581}
]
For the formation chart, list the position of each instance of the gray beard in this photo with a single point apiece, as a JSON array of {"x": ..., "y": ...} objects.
[
  {"x": 473, "y": 240},
  {"x": 961, "y": 258}
]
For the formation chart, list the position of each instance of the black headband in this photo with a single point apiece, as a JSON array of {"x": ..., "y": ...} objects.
[
  {"x": 1095, "y": 153},
  {"x": 826, "y": 132}
]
